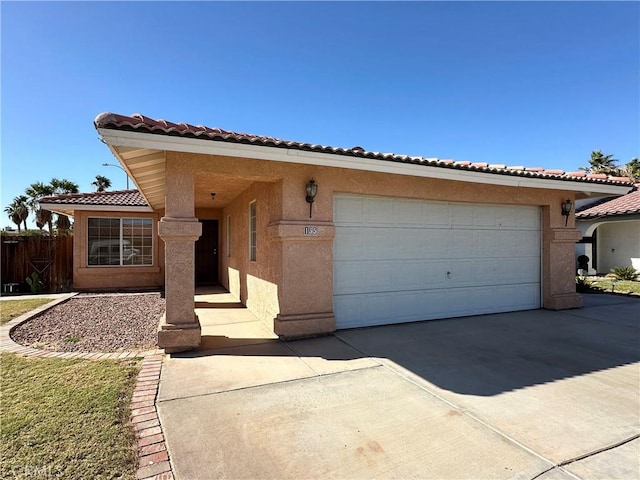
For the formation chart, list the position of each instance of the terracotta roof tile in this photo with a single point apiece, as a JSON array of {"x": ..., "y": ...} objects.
[
  {"x": 628, "y": 204},
  {"x": 142, "y": 124},
  {"x": 119, "y": 198}
]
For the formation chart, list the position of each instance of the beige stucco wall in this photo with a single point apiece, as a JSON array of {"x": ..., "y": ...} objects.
[
  {"x": 290, "y": 285},
  {"x": 110, "y": 278},
  {"x": 253, "y": 283},
  {"x": 618, "y": 245}
]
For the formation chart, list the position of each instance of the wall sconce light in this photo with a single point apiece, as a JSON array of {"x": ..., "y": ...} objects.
[
  {"x": 312, "y": 190},
  {"x": 567, "y": 206}
]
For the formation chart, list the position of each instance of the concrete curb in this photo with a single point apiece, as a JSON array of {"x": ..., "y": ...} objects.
[{"x": 153, "y": 456}]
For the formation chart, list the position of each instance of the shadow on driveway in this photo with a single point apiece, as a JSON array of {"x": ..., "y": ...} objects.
[{"x": 482, "y": 355}]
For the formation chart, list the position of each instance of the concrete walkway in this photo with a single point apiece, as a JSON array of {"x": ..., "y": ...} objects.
[{"x": 538, "y": 394}]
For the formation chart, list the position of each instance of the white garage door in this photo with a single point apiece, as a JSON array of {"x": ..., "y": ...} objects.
[{"x": 399, "y": 260}]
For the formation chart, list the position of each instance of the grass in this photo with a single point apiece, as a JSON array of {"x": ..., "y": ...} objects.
[
  {"x": 10, "y": 309},
  {"x": 605, "y": 285},
  {"x": 621, "y": 286},
  {"x": 66, "y": 418}
]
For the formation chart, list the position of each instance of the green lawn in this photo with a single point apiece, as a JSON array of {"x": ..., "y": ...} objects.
[
  {"x": 66, "y": 418},
  {"x": 621, "y": 286},
  {"x": 10, "y": 309}
]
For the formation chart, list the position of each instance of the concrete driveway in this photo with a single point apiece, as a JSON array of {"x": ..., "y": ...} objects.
[{"x": 532, "y": 395}]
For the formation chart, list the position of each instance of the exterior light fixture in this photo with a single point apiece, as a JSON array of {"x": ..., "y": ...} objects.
[
  {"x": 567, "y": 206},
  {"x": 312, "y": 190}
]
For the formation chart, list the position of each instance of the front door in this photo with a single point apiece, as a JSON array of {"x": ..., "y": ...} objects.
[{"x": 207, "y": 254}]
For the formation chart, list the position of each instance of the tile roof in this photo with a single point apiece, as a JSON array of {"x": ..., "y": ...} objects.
[
  {"x": 119, "y": 198},
  {"x": 628, "y": 204},
  {"x": 140, "y": 123}
]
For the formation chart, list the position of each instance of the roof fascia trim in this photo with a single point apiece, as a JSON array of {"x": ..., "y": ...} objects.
[
  {"x": 59, "y": 207},
  {"x": 119, "y": 138}
]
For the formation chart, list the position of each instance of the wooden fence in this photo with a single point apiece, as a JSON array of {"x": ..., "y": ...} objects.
[{"x": 51, "y": 258}]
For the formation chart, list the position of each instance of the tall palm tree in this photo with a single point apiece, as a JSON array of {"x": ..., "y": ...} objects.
[
  {"x": 18, "y": 211},
  {"x": 101, "y": 183},
  {"x": 61, "y": 187},
  {"x": 35, "y": 192},
  {"x": 63, "y": 224}
]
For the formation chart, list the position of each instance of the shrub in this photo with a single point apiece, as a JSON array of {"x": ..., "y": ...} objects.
[
  {"x": 585, "y": 286},
  {"x": 35, "y": 284},
  {"x": 624, "y": 273}
]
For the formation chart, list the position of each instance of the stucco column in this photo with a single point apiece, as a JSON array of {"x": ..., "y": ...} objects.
[
  {"x": 559, "y": 279},
  {"x": 179, "y": 328},
  {"x": 305, "y": 295}
]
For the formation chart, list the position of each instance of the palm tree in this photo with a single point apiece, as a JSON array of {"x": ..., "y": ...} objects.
[
  {"x": 63, "y": 224},
  {"x": 632, "y": 170},
  {"x": 13, "y": 215},
  {"x": 101, "y": 183},
  {"x": 18, "y": 211},
  {"x": 61, "y": 187},
  {"x": 35, "y": 192},
  {"x": 601, "y": 163}
]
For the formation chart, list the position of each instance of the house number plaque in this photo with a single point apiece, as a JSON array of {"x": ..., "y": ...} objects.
[{"x": 311, "y": 230}]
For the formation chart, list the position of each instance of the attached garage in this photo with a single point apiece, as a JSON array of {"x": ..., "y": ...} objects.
[{"x": 401, "y": 260}]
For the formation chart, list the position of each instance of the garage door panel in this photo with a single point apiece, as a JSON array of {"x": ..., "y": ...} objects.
[
  {"x": 434, "y": 243},
  {"x": 399, "y": 260},
  {"x": 348, "y": 244},
  {"x": 435, "y": 214},
  {"x": 388, "y": 308},
  {"x": 407, "y": 213},
  {"x": 348, "y": 210}
]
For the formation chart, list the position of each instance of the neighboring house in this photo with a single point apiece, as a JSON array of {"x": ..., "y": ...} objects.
[
  {"x": 314, "y": 238},
  {"x": 610, "y": 230}
]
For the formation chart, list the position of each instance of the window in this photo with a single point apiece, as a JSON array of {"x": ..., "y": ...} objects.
[
  {"x": 252, "y": 231},
  {"x": 228, "y": 235},
  {"x": 120, "y": 241}
]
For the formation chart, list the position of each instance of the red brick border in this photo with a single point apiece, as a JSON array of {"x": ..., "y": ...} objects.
[{"x": 153, "y": 457}]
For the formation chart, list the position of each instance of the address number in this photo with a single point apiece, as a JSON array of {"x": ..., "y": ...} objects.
[{"x": 311, "y": 230}]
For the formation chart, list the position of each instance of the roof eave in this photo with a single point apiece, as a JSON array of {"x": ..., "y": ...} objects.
[
  {"x": 69, "y": 210},
  {"x": 617, "y": 216},
  {"x": 120, "y": 138}
]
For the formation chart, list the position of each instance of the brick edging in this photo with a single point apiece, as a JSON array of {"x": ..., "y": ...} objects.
[{"x": 153, "y": 456}]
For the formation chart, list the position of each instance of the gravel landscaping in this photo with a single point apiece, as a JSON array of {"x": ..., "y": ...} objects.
[{"x": 95, "y": 323}]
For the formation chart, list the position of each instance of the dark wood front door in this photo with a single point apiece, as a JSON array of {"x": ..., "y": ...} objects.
[{"x": 207, "y": 254}]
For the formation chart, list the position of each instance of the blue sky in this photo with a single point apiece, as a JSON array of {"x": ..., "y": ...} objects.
[{"x": 534, "y": 84}]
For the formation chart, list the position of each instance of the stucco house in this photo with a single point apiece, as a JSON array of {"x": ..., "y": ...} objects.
[
  {"x": 610, "y": 228},
  {"x": 314, "y": 238}
]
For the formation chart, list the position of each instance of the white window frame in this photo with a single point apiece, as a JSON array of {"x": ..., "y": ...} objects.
[
  {"x": 120, "y": 240},
  {"x": 253, "y": 235}
]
